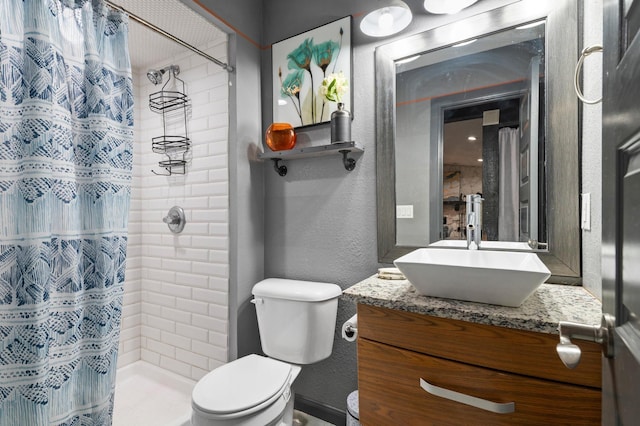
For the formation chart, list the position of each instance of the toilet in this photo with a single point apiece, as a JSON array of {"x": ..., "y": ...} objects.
[{"x": 296, "y": 320}]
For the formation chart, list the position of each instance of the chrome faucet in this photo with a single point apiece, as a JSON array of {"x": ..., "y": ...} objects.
[
  {"x": 474, "y": 221},
  {"x": 535, "y": 245}
]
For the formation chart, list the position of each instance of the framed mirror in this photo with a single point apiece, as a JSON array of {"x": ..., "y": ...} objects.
[{"x": 483, "y": 105}]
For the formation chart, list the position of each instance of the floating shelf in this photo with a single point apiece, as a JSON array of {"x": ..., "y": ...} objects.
[{"x": 343, "y": 148}]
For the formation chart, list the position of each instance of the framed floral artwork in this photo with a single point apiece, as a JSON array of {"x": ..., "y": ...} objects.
[{"x": 301, "y": 64}]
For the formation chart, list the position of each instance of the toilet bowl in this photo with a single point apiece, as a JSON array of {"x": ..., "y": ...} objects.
[
  {"x": 296, "y": 320},
  {"x": 252, "y": 390}
]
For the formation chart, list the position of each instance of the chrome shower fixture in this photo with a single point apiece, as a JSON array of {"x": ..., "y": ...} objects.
[{"x": 155, "y": 76}]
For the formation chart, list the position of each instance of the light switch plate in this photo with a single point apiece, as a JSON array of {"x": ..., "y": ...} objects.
[{"x": 404, "y": 212}]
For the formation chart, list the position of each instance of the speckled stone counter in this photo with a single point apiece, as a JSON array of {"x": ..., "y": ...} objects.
[{"x": 541, "y": 312}]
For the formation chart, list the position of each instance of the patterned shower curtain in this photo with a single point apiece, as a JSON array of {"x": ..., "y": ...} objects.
[{"x": 66, "y": 133}]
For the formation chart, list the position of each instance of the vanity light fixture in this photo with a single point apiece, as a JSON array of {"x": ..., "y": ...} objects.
[
  {"x": 480, "y": 160},
  {"x": 387, "y": 20},
  {"x": 446, "y": 7},
  {"x": 472, "y": 139}
]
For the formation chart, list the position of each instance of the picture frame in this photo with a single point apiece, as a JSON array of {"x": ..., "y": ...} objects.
[{"x": 300, "y": 63}]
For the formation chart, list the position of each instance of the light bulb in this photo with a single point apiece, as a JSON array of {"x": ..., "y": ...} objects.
[{"x": 385, "y": 20}]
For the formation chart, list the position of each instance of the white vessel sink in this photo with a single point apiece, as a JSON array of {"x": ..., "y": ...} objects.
[
  {"x": 496, "y": 277},
  {"x": 484, "y": 245}
]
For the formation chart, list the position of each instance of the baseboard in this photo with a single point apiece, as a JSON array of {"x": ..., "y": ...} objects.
[{"x": 321, "y": 411}]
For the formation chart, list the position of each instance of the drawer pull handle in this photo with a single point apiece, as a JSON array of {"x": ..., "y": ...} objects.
[{"x": 494, "y": 407}]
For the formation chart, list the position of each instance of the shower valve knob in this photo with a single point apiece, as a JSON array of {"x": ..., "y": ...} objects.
[
  {"x": 175, "y": 219},
  {"x": 171, "y": 219}
]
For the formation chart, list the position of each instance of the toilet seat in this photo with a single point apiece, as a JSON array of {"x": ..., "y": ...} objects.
[{"x": 242, "y": 387}]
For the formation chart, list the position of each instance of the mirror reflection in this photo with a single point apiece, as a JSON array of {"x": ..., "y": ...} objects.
[
  {"x": 414, "y": 107},
  {"x": 470, "y": 120}
]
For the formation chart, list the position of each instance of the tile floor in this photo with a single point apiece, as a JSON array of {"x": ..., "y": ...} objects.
[{"x": 150, "y": 396}]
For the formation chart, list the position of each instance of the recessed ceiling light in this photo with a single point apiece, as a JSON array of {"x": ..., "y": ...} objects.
[
  {"x": 472, "y": 138},
  {"x": 387, "y": 20}
]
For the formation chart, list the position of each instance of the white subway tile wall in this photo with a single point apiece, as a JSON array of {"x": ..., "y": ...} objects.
[{"x": 175, "y": 313}]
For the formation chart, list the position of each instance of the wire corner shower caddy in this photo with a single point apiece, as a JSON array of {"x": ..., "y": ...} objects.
[{"x": 173, "y": 106}]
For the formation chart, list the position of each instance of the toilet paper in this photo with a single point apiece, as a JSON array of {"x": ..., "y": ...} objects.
[{"x": 350, "y": 329}]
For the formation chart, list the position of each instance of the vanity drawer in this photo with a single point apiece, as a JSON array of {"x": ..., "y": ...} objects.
[
  {"x": 390, "y": 392},
  {"x": 516, "y": 351}
]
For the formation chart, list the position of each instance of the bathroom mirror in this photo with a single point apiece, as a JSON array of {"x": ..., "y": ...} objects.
[{"x": 504, "y": 77}]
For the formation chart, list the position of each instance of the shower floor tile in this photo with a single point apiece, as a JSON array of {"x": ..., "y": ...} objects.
[{"x": 150, "y": 396}]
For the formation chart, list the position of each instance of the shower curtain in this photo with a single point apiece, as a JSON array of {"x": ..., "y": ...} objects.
[
  {"x": 508, "y": 199},
  {"x": 66, "y": 133}
]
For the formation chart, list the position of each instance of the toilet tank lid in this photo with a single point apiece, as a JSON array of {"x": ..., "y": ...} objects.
[{"x": 305, "y": 291}]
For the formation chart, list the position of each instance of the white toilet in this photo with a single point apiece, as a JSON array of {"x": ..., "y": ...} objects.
[{"x": 296, "y": 320}]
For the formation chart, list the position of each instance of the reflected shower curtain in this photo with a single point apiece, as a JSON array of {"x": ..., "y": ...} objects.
[
  {"x": 66, "y": 133},
  {"x": 508, "y": 199}
]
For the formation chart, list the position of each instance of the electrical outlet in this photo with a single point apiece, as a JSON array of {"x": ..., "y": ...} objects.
[{"x": 404, "y": 212}]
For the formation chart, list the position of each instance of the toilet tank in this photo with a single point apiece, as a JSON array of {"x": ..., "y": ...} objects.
[{"x": 296, "y": 319}]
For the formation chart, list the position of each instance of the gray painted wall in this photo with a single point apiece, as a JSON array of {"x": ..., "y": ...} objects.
[
  {"x": 412, "y": 173},
  {"x": 246, "y": 197},
  {"x": 592, "y": 149}
]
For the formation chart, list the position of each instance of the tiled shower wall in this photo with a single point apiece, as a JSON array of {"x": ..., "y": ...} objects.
[{"x": 177, "y": 285}]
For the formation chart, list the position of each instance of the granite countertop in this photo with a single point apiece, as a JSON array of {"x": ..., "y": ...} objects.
[{"x": 541, "y": 312}]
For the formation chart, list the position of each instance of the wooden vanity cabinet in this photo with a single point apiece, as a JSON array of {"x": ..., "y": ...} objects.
[{"x": 396, "y": 349}]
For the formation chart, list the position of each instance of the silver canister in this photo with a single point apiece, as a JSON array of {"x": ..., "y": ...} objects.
[{"x": 340, "y": 125}]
